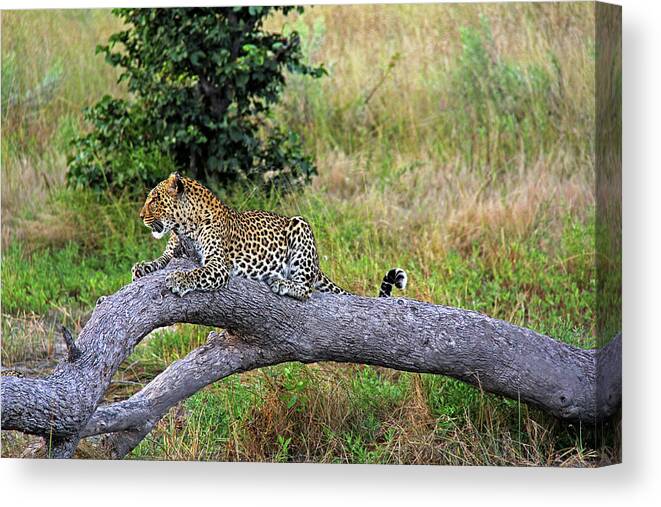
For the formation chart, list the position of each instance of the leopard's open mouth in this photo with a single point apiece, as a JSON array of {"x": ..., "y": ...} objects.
[
  {"x": 157, "y": 229},
  {"x": 157, "y": 226}
]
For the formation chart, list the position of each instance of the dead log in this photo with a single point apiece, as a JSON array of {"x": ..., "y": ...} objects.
[{"x": 264, "y": 329}]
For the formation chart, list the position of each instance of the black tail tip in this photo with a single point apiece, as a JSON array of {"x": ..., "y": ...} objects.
[{"x": 396, "y": 277}]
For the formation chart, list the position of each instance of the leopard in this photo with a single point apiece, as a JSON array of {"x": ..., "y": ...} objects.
[{"x": 255, "y": 244}]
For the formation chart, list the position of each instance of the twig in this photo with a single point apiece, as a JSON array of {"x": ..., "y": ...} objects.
[{"x": 74, "y": 353}]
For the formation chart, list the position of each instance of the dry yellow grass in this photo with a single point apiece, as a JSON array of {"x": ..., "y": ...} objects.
[
  {"x": 49, "y": 73},
  {"x": 356, "y": 43},
  {"x": 430, "y": 192},
  {"x": 442, "y": 209}
]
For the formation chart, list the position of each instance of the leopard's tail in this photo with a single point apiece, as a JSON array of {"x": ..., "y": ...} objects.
[
  {"x": 325, "y": 284},
  {"x": 396, "y": 277}
]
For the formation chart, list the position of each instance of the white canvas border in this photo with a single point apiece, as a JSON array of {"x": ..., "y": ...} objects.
[{"x": 635, "y": 482}]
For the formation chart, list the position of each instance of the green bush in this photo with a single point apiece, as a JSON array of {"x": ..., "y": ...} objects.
[{"x": 202, "y": 83}]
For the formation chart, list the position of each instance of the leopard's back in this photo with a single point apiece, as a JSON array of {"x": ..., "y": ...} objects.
[{"x": 257, "y": 246}]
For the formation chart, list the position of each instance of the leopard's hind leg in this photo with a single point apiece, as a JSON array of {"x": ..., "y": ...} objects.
[{"x": 301, "y": 267}]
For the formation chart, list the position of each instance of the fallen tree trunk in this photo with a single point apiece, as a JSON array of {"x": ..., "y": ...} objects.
[{"x": 264, "y": 329}]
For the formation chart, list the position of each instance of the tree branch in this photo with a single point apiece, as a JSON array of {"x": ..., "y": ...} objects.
[
  {"x": 265, "y": 329},
  {"x": 224, "y": 354}
]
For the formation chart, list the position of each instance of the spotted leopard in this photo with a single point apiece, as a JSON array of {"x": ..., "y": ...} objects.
[{"x": 256, "y": 244}]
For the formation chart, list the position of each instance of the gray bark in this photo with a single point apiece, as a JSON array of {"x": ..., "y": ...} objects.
[{"x": 265, "y": 329}]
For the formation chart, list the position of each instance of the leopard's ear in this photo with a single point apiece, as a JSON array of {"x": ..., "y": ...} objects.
[{"x": 175, "y": 185}]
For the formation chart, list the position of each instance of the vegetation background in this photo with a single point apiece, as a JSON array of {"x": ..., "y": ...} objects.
[{"x": 455, "y": 141}]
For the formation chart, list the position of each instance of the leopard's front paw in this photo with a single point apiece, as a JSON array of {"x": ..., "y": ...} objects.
[
  {"x": 140, "y": 269},
  {"x": 278, "y": 286},
  {"x": 178, "y": 283}
]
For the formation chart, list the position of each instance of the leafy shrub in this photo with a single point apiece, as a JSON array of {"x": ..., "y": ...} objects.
[{"x": 202, "y": 82}]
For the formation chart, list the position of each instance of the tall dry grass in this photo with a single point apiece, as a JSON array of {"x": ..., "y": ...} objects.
[
  {"x": 49, "y": 73},
  {"x": 382, "y": 125},
  {"x": 391, "y": 68},
  {"x": 386, "y": 132},
  {"x": 440, "y": 208}
]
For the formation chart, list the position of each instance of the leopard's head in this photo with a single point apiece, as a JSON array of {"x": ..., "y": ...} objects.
[{"x": 163, "y": 210}]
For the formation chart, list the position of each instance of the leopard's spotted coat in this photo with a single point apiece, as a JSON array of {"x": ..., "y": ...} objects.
[{"x": 257, "y": 244}]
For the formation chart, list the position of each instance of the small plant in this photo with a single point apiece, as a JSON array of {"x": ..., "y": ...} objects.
[
  {"x": 202, "y": 82},
  {"x": 283, "y": 449}
]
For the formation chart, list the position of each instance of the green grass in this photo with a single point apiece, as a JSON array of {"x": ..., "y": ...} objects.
[
  {"x": 361, "y": 414},
  {"x": 524, "y": 284},
  {"x": 266, "y": 415},
  {"x": 86, "y": 260}
]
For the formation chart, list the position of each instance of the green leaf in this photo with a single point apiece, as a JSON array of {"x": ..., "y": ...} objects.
[
  {"x": 196, "y": 57},
  {"x": 292, "y": 401}
]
